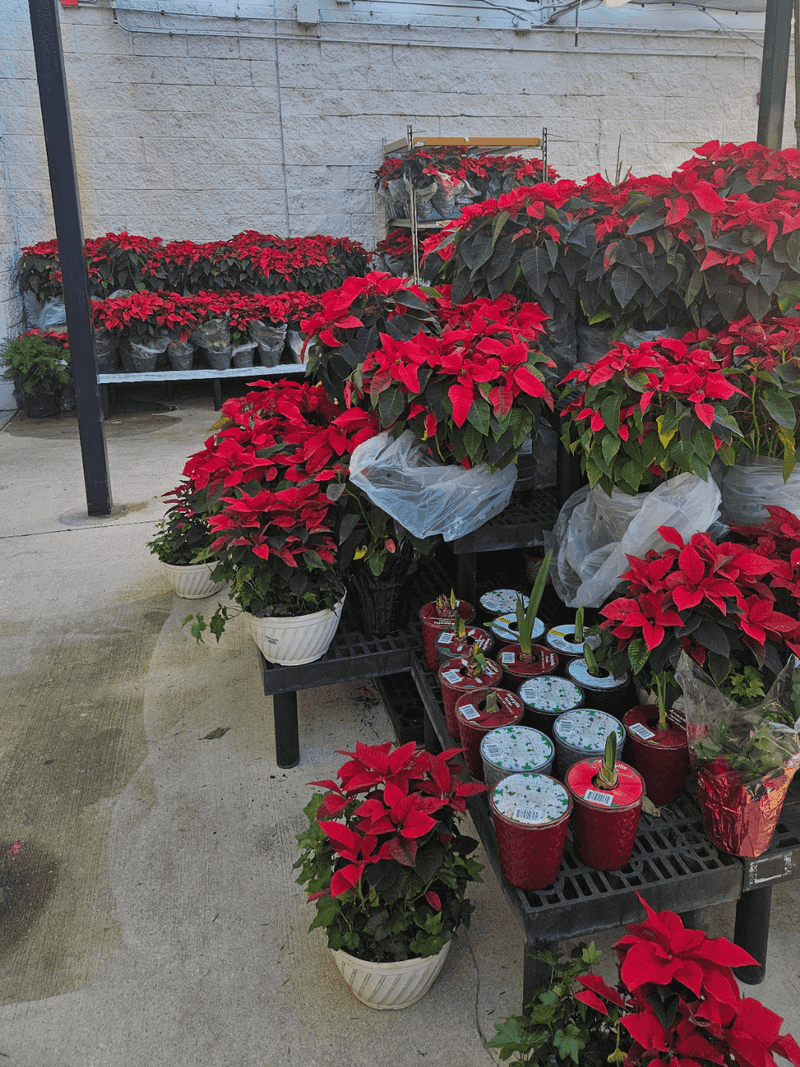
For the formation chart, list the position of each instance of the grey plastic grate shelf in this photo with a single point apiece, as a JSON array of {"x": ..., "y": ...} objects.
[
  {"x": 515, "y": 527},
  {"x": 673, "y": 864}
]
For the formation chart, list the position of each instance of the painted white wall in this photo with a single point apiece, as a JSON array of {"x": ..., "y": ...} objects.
[{"x": 220, "y": 126}]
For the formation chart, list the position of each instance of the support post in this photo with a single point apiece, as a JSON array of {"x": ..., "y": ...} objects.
[
  {"x": 751, "y": 932},
  {"x": 287, "y": 736},
  {"x": 774, "y": 71},
  {"x": 50, "y": 74}
]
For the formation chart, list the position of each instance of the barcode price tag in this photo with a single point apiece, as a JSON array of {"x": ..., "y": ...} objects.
[
  {"x": 492, "y": 751},
  {"x": 446, "y": 637},
  {"x": 641, "y": 731},
  {"x": 507, "y": 657},
  {"x": 452, "y": 677},
  {"x": 606, "y": 799},
  {"x": 469, "y": 711},
  {"x": 525, "y": 815}
]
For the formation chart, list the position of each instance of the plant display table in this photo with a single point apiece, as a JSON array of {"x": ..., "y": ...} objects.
[
  {"x": 673, "y": 864},
  {"x": 283, "y": 370}
]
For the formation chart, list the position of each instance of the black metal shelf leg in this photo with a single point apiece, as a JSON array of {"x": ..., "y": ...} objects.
[
  {"x": 751, "y": 932},
  {"x": 287, "y": 737}
]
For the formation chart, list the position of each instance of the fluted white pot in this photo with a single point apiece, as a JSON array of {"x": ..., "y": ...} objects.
[
  {"x": 291, "y": 642},
  {"x": 390, "y": 985},
  {"x": 192, "y": 581}
]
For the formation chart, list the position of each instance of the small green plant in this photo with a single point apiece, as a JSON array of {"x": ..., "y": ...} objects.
[
  {"x": 35, "y": 365},
  {"x": 526, "y": 617},
  {"x": 183, "y": 536},
  {"x": 579, "y": 626},
  {"x": 554, "y": 1023},
  {"x": 607, "y": 774}
]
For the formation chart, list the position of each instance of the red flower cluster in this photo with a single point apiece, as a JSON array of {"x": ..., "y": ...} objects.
[
  {"x": 152, "y": 313},
  {"x": 250, "y": 260},
  {"x": 260, "y": 482},
  {"x": 717, "y": 602},
  {"x": 679, "y": 1002},
  {"x": 474, "y": 389},
  {"x": 672, "y": 405},
  {"x": 404, "y": 789}
]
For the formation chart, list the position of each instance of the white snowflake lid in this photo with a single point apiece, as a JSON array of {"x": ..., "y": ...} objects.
[
  {"x": 587, "y": 729},
  {"x": 578, "y": 671},
  {"x": 531, "y": 798},
  {"x": 505, "y": 628},
  {"x": 550, "y": 693},
  {"x": 516, "y": 748},
  {"x": 502, "y": 601},
  {"x": 559, "y": 638}
]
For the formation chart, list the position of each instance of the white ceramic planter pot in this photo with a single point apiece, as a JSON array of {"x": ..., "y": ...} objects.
[
  {"x": 291, "y": 642},
  {"x": 192, "y": 581},
  {"x": 390, "y": 985}
]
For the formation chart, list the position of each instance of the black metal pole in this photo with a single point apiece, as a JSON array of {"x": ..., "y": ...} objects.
[
  {"x": 751, "y": 932},
  {"x": 49, "y": 57},
  {"x": 774, "y": 71}
]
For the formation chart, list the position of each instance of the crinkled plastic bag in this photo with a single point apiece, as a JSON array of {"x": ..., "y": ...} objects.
[
  {"x": 753, "y": 482},
  {"x": 425, "y": 496},
  {"x": 743, "y": 759},
  {"x": 214, "y": 335},
  {"x": 53, "y": 313},
  {"x": 594, "y": 533}
]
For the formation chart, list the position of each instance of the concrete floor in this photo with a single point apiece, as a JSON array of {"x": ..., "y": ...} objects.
[{"x": 163, "y": 926}]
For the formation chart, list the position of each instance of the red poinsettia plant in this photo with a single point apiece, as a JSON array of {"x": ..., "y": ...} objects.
[
  {"x": 383, "y": 856},
  {"x": 269, "y": 484},
  {"x": 674, "y": 405},
  {"x": 677, "y": 1002},
  {"x": 732, "y": 606},
  {"x": 474, "y": 392},
  {"x": 350, "y": 322}
]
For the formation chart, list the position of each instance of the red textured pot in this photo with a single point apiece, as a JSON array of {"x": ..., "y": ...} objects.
[
  {"x": 736, "y": 822},
  {"x": 474, "y": 722},
  {"x": 660, "y": 756},
  {"x": 450, "y": 645},
  {"x": 530, "y": 813},
  {"x": 433, "y": 622},
  {"x": 517, "y": 667},
  {"x": 455, "y": 682},
  {"x": 604, "y": 821}
]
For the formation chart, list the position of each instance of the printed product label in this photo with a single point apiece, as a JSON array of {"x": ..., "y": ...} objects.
[
  {"x": 469, "y": 712},
  {"x": 640, "y": 730},
  {"x": 531, "y": 798},
  {"x": 550, "y": 694},
  {"x": 445, "y": 637},
  {"x": 587, "y": 729},
  {"x": 507, "y": 657},
  {"x": 502, "y": 601},
  {"x": 517, "y": 748},
  {"x": 452, "y": 677},
  {"x": 606, "y": 799}
]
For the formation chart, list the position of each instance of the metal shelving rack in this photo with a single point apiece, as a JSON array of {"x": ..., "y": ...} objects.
[{"x": 405, "y": 146}]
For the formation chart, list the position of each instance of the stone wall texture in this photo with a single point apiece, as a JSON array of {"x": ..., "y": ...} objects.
[{"x": 271, "y": 126}]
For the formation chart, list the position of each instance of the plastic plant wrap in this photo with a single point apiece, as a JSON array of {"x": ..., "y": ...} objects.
[
  {"x": 743, "y": 759},
  {"x": 426, "y": 496},
  {"x": 752, "y": 483},
  {"x": 213, "y": 336},
  {"x": 596, "y": 533}
]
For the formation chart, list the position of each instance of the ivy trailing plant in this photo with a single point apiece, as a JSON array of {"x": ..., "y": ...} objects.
[{"x": 555, "y": 1027}]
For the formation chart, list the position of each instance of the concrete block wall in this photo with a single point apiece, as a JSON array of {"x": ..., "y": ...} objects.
[{"x": 203, "y": 133}]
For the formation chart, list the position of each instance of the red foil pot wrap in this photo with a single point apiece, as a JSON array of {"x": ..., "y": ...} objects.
[{"x": 736, "y": 822}]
